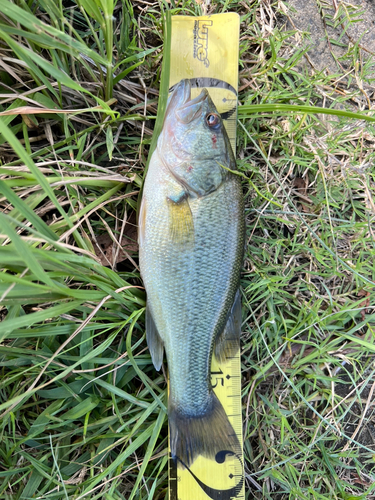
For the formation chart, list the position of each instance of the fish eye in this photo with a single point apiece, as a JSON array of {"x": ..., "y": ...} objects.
[{"x": 212, "y": 120}]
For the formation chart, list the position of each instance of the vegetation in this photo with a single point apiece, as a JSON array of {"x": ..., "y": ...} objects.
[{"x": 82, "y": 411}]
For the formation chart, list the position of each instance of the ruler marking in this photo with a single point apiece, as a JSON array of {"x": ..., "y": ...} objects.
[{"x": 184, "y": 64}]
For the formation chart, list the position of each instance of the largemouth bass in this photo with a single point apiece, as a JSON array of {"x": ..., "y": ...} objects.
[{"x": 191, "y": 241}]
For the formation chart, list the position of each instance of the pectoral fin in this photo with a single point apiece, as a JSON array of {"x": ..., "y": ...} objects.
[
  {"x": 181, "y": 226},
  {"x": 154, "y": 342},
  {"x": 228, "y": 342}
]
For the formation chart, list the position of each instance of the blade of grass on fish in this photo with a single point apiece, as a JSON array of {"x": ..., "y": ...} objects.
[{"x": 256, "y": 189}]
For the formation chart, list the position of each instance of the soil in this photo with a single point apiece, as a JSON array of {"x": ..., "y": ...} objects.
[{"x": 325, "y": 41}]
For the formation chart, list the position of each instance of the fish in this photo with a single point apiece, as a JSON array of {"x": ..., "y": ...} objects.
[{"x": 191, "y": 244}]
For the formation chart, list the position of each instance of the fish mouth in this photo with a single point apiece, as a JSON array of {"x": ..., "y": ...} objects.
[{"x": 181, "y": 103}]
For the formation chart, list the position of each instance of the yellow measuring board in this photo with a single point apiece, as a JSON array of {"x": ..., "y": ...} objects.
[{"x": 205, "y": 50}]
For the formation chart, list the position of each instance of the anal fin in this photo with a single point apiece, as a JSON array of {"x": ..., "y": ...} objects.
[
  {"x": 228, "y": 342},
  {"x": 154, "y": 342}
]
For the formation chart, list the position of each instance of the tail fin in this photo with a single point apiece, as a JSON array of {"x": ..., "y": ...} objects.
[{"x": 207, "y": 434}]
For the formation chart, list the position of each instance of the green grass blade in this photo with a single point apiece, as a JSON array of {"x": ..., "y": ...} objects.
[
  {"x": 247, "y": 110},
  {"x": 28, "y": 214}
]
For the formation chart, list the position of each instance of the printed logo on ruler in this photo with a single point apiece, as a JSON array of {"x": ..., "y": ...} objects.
[{"x": 200, "y": 32}]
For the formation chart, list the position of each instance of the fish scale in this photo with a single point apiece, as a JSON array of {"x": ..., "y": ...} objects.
[
  {"x": 195, "y": 315},
  {"x": 191, "y": 250}
]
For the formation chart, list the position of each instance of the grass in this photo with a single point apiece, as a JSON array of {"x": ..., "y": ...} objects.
[{"x": 82, "y": 411}]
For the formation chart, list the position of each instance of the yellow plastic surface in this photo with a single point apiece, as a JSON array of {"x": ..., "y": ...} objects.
[
  {"x": 207, "y": 47},
  {"x": 205, "y": 50}
]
